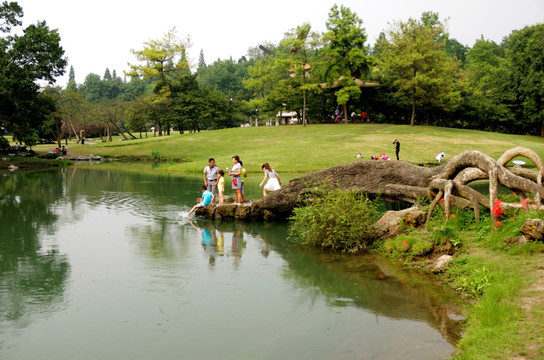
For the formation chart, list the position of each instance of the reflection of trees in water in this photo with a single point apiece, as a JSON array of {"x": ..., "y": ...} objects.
[
  {"x": 29, "y": 275},
  {"x": 365, "y": 281},
  {"x": 159, "y": 239},
  {"x": 32, "y": 279}
]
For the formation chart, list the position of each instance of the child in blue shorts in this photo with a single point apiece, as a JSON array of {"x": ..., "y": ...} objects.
[{"x": 207, "y": 199}]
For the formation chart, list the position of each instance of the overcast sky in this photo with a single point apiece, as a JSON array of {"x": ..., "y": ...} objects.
[{"x": 99, "y": 34}]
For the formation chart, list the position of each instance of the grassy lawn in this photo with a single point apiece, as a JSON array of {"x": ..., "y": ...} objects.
[{"x": 302, "y": 149}]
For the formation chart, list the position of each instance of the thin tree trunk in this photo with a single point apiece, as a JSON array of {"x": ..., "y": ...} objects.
[
  {"x": 304, "y": 91},
  {"x": 75, "y": 133},
  {"x": 304, "y": 107},
  {"x": 120, "y": 131},
  {"x": 413, "y": 119}
]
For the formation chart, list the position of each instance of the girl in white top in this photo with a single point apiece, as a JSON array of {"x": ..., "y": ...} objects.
[{"x": 274, "y": 181}]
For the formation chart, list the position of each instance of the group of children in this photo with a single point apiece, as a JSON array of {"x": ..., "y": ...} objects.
[{"x": 214, "y": 179}]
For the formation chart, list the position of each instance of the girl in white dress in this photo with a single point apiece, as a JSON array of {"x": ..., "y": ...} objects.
[{"x": 274, "y": 181}]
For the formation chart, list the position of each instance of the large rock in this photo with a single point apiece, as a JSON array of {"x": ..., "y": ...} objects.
[
  {"x": 226, "y": 199},
  {"x": 242, "y": 212},
  {"x": 393, "y": 223},
  {"x": 533, "y": 229},
  {"x": 207, "y": 212},
  {"x": 515, "y": 241},
  {"x": 225, "y": 212}
]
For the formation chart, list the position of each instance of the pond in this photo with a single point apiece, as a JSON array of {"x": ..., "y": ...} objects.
[{"x": 97, "y": 264}]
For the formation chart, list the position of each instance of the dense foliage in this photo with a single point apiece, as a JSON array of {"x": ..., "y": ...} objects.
[
  {"x": 335, "y": 220},
  {"x": 24, "y": 61},
  {"x": 415, "y": 73}
]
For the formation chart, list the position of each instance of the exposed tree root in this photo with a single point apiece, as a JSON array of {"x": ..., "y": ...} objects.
[{"x": 474, "y": 165}]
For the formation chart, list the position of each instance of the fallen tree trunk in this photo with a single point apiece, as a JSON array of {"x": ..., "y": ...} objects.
[
  {"x": 393, "y": 181},
  {"x": 397, "y": 181}
]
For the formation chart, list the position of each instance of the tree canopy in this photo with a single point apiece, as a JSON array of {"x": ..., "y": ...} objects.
[
  {"x": 25, "y": 60},
  {"x": 346, "y": 53},
  {"x": 414, "y": 57},
  {"x": 525, "y": 53},
  {"x": 418, "y": 72}
]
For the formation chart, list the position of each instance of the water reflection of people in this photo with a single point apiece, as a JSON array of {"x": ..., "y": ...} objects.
[
  {"x": 220, "y": 244},
  {"x": 237, "y": 244},
  {"x": 209, "y": 241},
  {"x": 207, "y": 237},
  {"x": 237, "y": 248}
]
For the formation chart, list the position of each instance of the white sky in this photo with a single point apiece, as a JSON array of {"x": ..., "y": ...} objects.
[{"x": 99, "y": 34}]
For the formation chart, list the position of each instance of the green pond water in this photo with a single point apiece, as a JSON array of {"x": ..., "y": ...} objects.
[{"x": 98, "y": 264}]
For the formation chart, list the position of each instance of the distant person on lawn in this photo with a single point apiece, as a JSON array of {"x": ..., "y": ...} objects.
[{"x": 397, "y": 148}]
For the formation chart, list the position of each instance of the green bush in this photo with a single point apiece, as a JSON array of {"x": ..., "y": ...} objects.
[
  {"x": 336, "y": 220},
  {"x": 155, "y": 156}
]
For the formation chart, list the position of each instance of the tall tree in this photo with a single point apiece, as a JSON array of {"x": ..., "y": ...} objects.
[
  {"x": 525, "y": 52},
  {"x": 261, "y": 77},
  {"x": 165, "y": 63},
  {"x": 487, "y": 86},
  {"x": 223, "y": 75},
  {"x": 201, "y": 61},
  {"x": 413, "y": 56},
  {"x": 92, "y": 89},
  {"x": 455, "y": 48},
  {"x": 162, "y": 60},
  {"x": 107, "y": 75},
  {"x": 26, "y": 59},
  {"x": 135, "y": 88},
  {"x": 346, "y": 54},
  {"x": 299, "y": 42},
  {"x": 72, "y": 85}
]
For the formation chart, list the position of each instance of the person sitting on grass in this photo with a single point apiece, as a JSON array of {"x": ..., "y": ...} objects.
[{"x": 207, "y": 198}]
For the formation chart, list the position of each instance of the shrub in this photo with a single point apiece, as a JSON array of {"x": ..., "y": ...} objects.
[
  {"x": 155, "y": 156},
  {"x": 336, "y": 220}
]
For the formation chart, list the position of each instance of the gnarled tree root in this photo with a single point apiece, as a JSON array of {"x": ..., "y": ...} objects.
[{"x": 474, "y": 165}]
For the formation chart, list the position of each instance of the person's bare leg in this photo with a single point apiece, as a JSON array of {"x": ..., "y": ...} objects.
[{"x": 193, "y": 209}]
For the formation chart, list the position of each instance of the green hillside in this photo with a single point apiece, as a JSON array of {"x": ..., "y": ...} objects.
[{"x": 303, "y": 149}]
